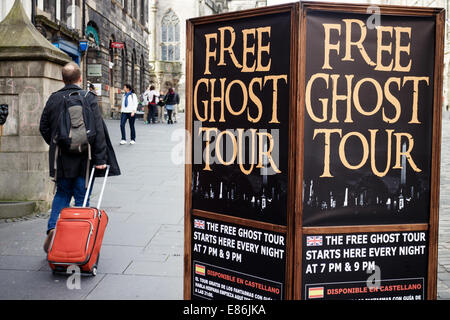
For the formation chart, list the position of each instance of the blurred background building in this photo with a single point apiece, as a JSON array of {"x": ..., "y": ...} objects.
[
  {"x": 140, "y": 42},
  {"x": 434, "y": 4}
]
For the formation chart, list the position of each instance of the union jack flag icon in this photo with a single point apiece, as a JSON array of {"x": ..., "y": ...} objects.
[
  {"x": 199, "y": 224},
  {"x": 313, "y": 241}
]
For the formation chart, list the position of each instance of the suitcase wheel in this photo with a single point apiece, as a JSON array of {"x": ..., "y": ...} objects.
[{"x": 94, "y": 268}]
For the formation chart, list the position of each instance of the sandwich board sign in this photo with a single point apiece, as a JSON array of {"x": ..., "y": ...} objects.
[{"x": 312, "y": 169}]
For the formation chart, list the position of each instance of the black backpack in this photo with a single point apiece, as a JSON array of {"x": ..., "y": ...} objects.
[{"x": 76, "y": 125}]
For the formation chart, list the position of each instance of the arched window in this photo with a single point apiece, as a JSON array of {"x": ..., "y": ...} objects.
[
  {"x": 92, "y": 34},
  {"x": 112, "y": 52},
  {"x": 124, "y": 66},
  {"x": 144, "y": 9},
  {"x": 142, "y": 78},
  {"x": 133, "y": 69},
  {"x": 170, "y": 37},
  {"x": 135, "y": 8}
]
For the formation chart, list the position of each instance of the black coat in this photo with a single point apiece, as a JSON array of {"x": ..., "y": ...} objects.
[
  {"x": 70, "y": 165},
  {"x": 114, "y": 169},
  {"x": 172, "y": 99}
]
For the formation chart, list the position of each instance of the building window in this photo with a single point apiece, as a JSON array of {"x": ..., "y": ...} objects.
[
  {"x": 70, "y": 13},
  {"x": 135, "y": 8},
  {"x": 142, "y": 78},
  {"x": 144, "y": 9},
  {"x": 133, "y": 69},
  {"x": 170, "y": 37},
  {"x": 124, "y": 66}
]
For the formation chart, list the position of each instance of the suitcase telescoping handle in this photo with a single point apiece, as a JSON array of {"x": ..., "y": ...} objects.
[{"x": 91, "y": 178}]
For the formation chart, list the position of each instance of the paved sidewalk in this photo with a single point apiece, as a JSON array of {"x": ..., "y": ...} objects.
[{"x": 142, "y": 253}]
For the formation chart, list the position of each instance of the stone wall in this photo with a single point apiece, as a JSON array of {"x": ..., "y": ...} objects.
[{"x": 24, "y": 171}]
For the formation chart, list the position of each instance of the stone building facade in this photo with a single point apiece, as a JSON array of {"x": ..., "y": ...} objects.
[
  {"x": 67, "y": 23},
  {"x": 140, "y": 42},
  {"x": 124, "y": 24},
  {"x": 168, "y": 36}
]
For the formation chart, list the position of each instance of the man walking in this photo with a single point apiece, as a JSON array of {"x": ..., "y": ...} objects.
[{"x": 69, "y": 168}]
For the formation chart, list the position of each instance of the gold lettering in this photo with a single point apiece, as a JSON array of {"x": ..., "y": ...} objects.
[
  {"x": 263, "y": 48},
  {"x": 275, "y": 95},
  {"x": 208, "y": 141},
  {"x": 337, "y": 97},
  {"x": 327, "y": 45},
  {"x": 349, "y": 43},
  {"x": 246, "y": 50},
  {"x": 205, "y": 102},
  {"x": 244, "y": 94},
  {"x": 252, "y": 151},
  {"x": 229, "y": 49},
  {"x": 393, "y": 100},
  {"x": 365, "y": 146},
  {"x": 209, "y": 54},
  {"x": 407, "y": 153},
  {"x": 218, "y": 148},
  {"x": 327, "y": 146},
  {"x": 381, "y": 48},
  {"x": 255, "y": 100},
  {"x": 267, "y": 153},
  {"x": 399, "y": 48},
  {"x": 373, "y": 134},
  {"x": 356, "y": 96},
  {"x": 415, "y": 106},
  {"x": 324, "y": 101}
]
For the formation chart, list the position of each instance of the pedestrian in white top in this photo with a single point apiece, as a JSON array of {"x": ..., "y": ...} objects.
[
  {"x": 151, "y": 97},
  {"x": 128, "y": 112}
]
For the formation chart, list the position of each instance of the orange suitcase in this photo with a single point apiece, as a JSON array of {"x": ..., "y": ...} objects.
[{"x": 78, "y": 236}]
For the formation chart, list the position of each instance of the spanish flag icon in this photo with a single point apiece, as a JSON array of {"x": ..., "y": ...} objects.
[
  {"x": 315, "y": 292},
  {"x": 200, "y": 270}
]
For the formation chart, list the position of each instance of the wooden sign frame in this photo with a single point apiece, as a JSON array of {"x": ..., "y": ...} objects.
[
  {"x": 294, "y": 229},
  {"x": 432, "y": 225},
  {"x": 288, "y": 230}
]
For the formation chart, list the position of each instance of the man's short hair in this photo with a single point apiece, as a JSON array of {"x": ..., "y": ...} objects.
[{"x": 71, "y": 73}]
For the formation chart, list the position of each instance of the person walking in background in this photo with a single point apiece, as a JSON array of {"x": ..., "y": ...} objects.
[
  {"x": 153, "y": 104},
  {"x": 161, "y": 105},
  {"x": 146, "y": 102},
  {"x": 172, "y": 100},
  {"x": 128, "y": 112},
  {"x": 91, "y": 88}
]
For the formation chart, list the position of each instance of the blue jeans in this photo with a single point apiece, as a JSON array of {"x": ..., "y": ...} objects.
[
  {"x": 66, "y": 188},
  {"x": 123, "y": 120}
]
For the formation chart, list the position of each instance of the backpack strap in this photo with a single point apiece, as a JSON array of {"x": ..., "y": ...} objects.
[
  {"x": 55, "y": 167},
  {"x": 83, "y": 96},
  {"x": 88, "y": 165}
]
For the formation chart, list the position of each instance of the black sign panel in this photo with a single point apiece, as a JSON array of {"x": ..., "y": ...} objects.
[
  {"x": 368, "y": 119},
  {"x": 241, "y": 117},
  {"x": 366, "y": 266},
  {"x": 227, "y": 261}
]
